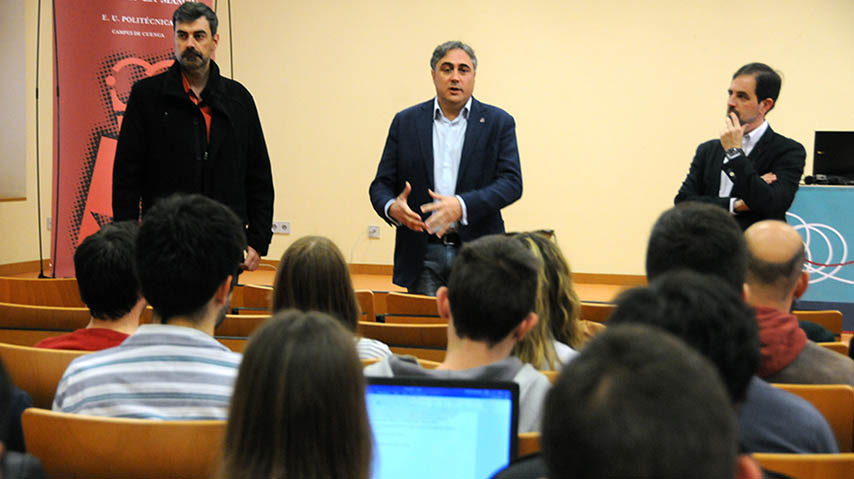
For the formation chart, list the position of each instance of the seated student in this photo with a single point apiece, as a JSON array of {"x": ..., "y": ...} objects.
[
  {"x": 639, "y": 403},
  {"x": 313, "y": 276},
  {"x": 13, "y": 463},
  {"x": 558, "y": 308},
  {"x": 775, "y": 277},
  {"x": 298, "y": 408},
  {"x": 106, "y": 277},
  {"x": 187, "y": 250},
  {"x": 712, "y": 318},
  {"x": 489, "y": 304}
]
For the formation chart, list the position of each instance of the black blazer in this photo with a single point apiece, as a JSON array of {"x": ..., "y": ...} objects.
[
  {"x": 774, "y": 153},
  {"x": 489, "y": 176}
]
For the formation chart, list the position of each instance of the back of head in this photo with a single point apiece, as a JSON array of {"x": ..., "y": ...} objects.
[
  {"x": 638, "y": 403},
  {"x": 106, "y": 272},
  {"x": 768, "y": 81},
  {"x": 492, "y": 288},
  {"x": 298, "y": 408},
  {"x": 700, "y": 237},
  {"x": 775, "y": 254},
  {"x": 313, "y": 275},
  {"x": 186, "y": 247},
  {"x": 557, "y": 305},
  {"x": 703, "y": 312},
  {"x": 188, "y": 12}
]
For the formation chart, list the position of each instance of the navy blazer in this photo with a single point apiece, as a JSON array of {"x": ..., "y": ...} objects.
[
  {"x": 773, "y": 153},
  {"x": 489, "y": 176}
]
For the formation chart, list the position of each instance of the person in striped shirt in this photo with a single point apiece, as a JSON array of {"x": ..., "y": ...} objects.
[{"x": 187, "y": 250}]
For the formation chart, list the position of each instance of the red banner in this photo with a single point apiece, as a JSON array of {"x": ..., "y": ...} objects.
[{"x": 101, "y": 47}]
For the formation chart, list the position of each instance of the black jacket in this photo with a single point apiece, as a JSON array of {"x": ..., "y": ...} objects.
[
  {"x": 773, "y": 153},
  {"x": 162, "y": 149}
]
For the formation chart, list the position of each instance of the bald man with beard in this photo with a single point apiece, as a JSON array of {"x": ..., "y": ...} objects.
[{"x": 775, "y": 278}]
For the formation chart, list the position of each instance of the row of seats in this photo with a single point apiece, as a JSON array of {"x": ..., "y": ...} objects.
[{"x": 38, "y": 371}]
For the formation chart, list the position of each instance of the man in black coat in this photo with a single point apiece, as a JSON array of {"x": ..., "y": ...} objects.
[
  {"x": 751, "y": 171},
  {"x": 191, "y": 130}
]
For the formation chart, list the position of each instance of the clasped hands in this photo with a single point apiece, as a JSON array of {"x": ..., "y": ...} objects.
[{"x": 446, "y": 210}]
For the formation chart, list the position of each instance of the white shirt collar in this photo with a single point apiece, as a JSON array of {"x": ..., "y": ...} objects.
[
  {"x": 438, "y": 113},
  {"x": 752, "y": 138}
]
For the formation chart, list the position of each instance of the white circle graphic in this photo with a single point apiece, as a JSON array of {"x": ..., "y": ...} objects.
[{"x": 818, "y": 233}]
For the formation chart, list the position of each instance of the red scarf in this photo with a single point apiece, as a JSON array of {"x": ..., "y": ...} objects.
[{"x": 781, "y": 340}]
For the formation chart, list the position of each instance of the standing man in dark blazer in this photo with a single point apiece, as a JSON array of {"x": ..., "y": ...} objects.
[
  {"x": 448, "y": 167},
  {"x": 751, "y": 171}
]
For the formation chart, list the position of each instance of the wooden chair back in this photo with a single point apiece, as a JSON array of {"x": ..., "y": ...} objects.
[
  {"x": 240, "y": 325},
  {"x": 251, "y": 299},
  {"x": 529, "y": 443},
  {"x": 840, "y": 347},
  {"x": 27, "y": 337},
  {"x": 366, "y": 305},
  {"x": 40, "y": 291},
  {"x": 28, "y": 316},
  {"x": 831, "y": 319},
  {"x": 809, "y": 466},
  {"x": 835, "y": 402},
  {"x": 410, "y": 308},
  {"x": 236, "y": 344},
  {"x": 37, "y": 370},
  {"x": 597, "y": 312},
  {"x": 73, "y": 445},
  {"x": 424, "y": 341}
]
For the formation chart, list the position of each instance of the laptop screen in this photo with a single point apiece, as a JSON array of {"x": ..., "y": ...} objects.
[
  {"x": 430, "y": 428},
  {"x": 834, "y": 153}
]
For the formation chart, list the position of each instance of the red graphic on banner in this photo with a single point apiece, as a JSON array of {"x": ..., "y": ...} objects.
[{"x": 102, "y": 47}]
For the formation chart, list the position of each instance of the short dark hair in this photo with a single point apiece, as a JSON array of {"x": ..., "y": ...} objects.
[
  {"x": 781, "y": 276},
  {"x": 298, "y": 407},
  {"x": 313, "y": 275},
  {"x": 704, "y": 313},
  {"x": 637, "y": 402},
  {"x": 189, "y": 11},
  {"x": 492, "y": 288},
  {"x": 440, "y": 51},
  {"x": 106, "y": 272},
  {"x": 700, "y": 237},
  {"x": 186, "y": 247},
  {"x": 768, "y": 81}
]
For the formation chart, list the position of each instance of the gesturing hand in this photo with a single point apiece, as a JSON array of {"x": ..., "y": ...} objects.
[
  {"x": 732, "y": 133},
  {"x": 446, "y": 210},
  {"x": 400, "y": 211}
]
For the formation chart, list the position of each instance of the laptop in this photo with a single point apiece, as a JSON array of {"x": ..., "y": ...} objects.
[
  {"x": 439, "y": 428},
  {"x": 833, "y": 157}
]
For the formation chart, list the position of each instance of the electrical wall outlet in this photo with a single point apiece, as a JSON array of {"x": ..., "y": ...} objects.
[
  {"x": 282, "y": 227},
  {"x": 373, "y": 232}
]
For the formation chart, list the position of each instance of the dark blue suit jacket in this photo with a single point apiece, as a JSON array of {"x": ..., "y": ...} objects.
[{"x": 489, "y": 177}]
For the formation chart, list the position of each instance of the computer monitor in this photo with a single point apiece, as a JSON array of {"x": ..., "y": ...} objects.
[
  {"x": 834, "y": 154},
  {"x": 432, "y": 428}
]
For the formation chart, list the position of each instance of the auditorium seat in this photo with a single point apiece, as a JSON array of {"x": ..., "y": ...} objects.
[
  {"x": 835, "y": 402},
  {"x": 410, "y": 308},
  {"x": 366, "y": 305},
  {"x": 37, "y": 370},
  {"x": 596, "y": 312},
  {"x": 837, "y": 347},
  {"x": 529, "y": 443},
  {"x": 829, "y": 319},
  {"x": 40, "y": 291},
  {"x": 72, "y": 445},
  {"x": 424, "y": 341},
  {"x": 809, "y": 466}
]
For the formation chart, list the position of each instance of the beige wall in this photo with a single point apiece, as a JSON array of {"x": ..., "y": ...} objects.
[{"x": 610, "y": 99}]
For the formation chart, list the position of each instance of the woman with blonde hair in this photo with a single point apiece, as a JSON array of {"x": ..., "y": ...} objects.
[
  {"x": 560, "y": 331},
  {"x": 298, "y": 407},
  {"x": 313, "y": 276}
]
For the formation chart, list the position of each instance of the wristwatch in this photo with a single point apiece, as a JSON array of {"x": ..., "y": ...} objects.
[{"x": 734, "y": 152}]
